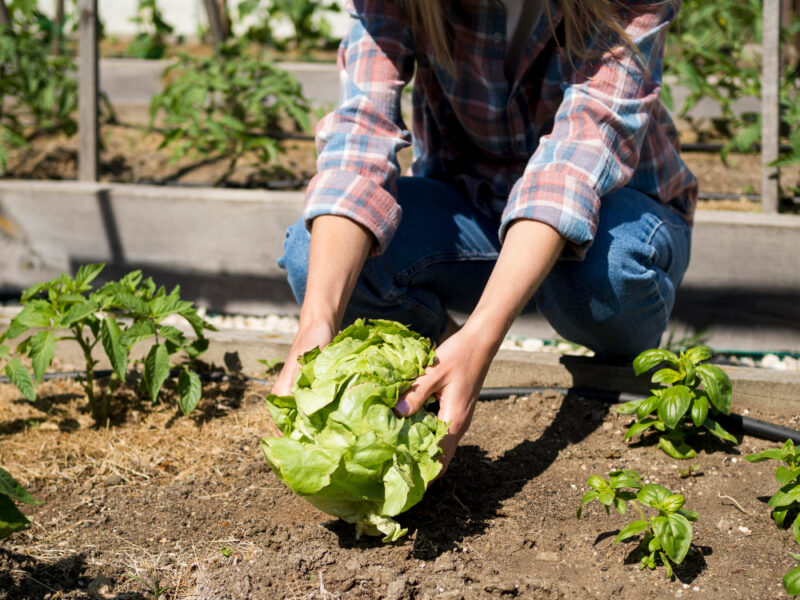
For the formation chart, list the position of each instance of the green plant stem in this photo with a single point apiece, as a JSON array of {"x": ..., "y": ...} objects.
[
  {"x": 639, "y": 510},
  {"x": 88, "y": 384},
  {"x": 113, "y": 382}
]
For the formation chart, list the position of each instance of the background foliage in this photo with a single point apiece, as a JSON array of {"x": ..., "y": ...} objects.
[
  {"x": 38, "y": 91},
  {"x": 714, "y": 50},
  {"x": 227, "y": 105}
]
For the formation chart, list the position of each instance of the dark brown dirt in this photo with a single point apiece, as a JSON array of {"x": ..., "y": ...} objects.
[
  {"x": 189, "y": 505},
  {"x": 131, "y": 154}
]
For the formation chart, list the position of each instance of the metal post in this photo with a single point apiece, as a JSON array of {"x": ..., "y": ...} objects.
[
  {"x": 216, "y": 24},
  {"x": 5, "y": 18},
  {"x": 88, "y": 122},
  {"x": 770, "y": 105}
]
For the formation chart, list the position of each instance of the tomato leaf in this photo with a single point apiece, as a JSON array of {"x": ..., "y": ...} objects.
[
  {"x": 156, "y": 370},
  {"x": 20, "y": 377},
  {"x": 116, "y": 351},
  {"x": 190, "y": 390}
]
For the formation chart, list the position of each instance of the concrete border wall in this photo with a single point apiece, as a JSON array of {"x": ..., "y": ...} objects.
[{"x": 221, "y": 245}]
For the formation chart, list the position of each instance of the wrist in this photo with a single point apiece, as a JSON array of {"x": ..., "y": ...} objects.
[
  {"x": 318, "y": 322},
  {"x": 485, "y": 332}
]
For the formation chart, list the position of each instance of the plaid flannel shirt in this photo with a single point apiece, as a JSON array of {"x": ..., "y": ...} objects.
[{"x": 546, "y": 146}]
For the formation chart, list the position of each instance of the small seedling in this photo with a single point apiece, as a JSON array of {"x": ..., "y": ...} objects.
[
  {"x": 692, "y": 471},
  {"x": 226, "y": 551},
  {"x": 666, "y": 536},
  {"x": 11, "y": 519},
  {"x": 689, "y": 395},
  {"x": 273, "y": 365},
  {"x": 785, "y": 502},
  {"x": 153, "y": 586},
  {"x": 791, "y": 581}
]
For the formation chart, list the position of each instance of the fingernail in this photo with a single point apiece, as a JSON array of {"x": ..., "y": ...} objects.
[{"x": 402, "y": 406}]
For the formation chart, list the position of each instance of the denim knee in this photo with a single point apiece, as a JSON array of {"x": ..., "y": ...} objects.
[
  {"x": 295, "y": 258},
  {"x": 618, "y": 300},
  {"x": 617, "y": 311}
]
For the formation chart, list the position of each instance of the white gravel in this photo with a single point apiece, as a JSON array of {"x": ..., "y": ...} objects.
[{"x": 288, "y": 325}]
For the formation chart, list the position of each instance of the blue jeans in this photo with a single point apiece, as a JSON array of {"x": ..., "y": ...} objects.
[{"x": 616, "y": 301}]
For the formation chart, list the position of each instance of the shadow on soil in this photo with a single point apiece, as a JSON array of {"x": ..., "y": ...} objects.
[
  {"x": 464, "y": 502},
  {"x": 702, "y": 442},
  {"x": 129, "y": 404},
  {"x": 686, "y": 572},
  {"x": 25, "y": 577}
]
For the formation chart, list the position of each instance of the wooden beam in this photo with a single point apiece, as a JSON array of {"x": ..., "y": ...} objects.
[
  {"x": 216, "y": 22},
  {"x": 790, "y": 9},
  {"x": 88, "y": 121},
  {"x": 5, "y": 18},
  {"x": 770, "y": 105},
  {"x": 58, "y": 28}
]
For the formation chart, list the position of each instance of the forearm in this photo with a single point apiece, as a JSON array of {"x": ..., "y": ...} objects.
[
  {"x": 339, "y": 247},
  {"x": 529, "y": 251}
]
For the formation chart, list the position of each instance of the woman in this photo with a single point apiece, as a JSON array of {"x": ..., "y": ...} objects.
[{"x": 546, "y": 177}]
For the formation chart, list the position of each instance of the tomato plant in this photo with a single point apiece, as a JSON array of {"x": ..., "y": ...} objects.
[
  {"x": 115, "y": 316},
  {"x": 228, "y": 104}
]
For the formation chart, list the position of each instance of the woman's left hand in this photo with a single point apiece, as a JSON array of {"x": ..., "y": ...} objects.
[{"x": 455, "y": 379}]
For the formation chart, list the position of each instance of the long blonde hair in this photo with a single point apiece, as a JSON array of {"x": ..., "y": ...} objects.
[{"x": 583, "y": 19}]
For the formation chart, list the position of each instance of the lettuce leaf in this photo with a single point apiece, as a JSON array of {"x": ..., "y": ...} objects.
[{"x": 343, "y": 448}]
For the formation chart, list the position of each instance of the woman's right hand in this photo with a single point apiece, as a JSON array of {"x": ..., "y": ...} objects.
[
  {"x": 307, "y": 338},
  {"x": 337, "y": 252}
]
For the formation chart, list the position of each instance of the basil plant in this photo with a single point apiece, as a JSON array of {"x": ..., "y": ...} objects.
[{"x": 343, "y": 448}]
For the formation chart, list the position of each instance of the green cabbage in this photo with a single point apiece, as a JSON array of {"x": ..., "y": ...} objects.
[{"x": 343, "y": 448}]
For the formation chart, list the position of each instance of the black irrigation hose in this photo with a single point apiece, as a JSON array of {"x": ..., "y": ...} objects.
[
  {"x": 746, "y": 425},
  {"x": 100, "y": 373},
  {"x": 737, "y": 423},
  {"x": 711, "y": 147}
]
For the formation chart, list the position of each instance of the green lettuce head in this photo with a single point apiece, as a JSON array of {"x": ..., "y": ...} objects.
[{"x": 343, "y": 448}]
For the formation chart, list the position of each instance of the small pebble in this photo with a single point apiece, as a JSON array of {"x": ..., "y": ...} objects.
[
  {"x": 547, "y": 556},
  {"x": 771, "y": 361}
]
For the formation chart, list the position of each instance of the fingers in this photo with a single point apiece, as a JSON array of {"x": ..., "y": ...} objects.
[
  {"x": 422, "y": 388},
  {"x": 283, "y": 385},
  {"x": 448, "y": 446},
  {"x": 455, "y": 410},
  {"x": 305, "y": 340}
]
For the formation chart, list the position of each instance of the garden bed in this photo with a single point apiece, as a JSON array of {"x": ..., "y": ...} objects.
[
  {"x": 132, "y": 155},
  {"x": 188, "y": 504}
]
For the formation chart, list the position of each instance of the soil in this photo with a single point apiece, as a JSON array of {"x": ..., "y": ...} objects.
[
  {"x": 161, "y": 505},
  {"x": 120, "y": 48},
  {"x": 131, "y": 154}
]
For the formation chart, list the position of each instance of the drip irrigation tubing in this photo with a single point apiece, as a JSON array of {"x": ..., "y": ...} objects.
[
  {"x": 712, "y": 147},
  {"x": 733, "y": 422}
]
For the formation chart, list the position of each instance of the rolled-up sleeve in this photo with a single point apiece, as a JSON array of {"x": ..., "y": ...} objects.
[
  {"x": 357, "y": 143},
  {"x": 597, "y": 132}
]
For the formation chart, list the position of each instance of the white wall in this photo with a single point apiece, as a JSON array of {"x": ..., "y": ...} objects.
[{"x": 186, "y": 16}]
